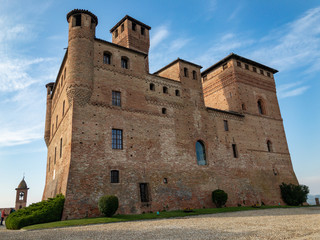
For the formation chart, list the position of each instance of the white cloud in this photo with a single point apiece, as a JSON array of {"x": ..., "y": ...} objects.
[
  {"x": 160, "y": 34},
  {"x": 291, "y": 89},
  {"x": 179, "y": 43},
  {"x": 14, "y": 137}
]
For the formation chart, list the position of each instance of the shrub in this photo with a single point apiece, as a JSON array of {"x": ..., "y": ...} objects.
[
  {"x": 42, "y": 212},
  {"x": 108, "y": 205},
  {"x": 219, "y": 197},
  {"x": 294, "y": 195}
]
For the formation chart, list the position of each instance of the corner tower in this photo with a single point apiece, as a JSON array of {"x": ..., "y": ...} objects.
[
  {"x": 82, "y": 26},
  {"x": 22, "y": 194},
  {"x": 131, "y": 33}
]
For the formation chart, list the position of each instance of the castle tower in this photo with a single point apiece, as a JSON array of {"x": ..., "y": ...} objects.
[
  {"x": 131, "y": 33},
  {"x": 22, "y": 194},
  {"x": 49, "y": 87},
  {"x": 82, "y": 26}
]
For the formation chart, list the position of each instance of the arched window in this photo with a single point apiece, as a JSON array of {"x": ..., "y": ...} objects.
[
  {"x": 165, "y": 90},
  {"x": 185, "y": 71},
  {"x": 201, "y": 153},
  {"x": 21, "y": 195},
  {"x": 269, "y": 145},
  {"x": 152, "y": 87},
  {"x": 261, "y": 107},
  {"x": 124, "y": 62},
  {"x": 194, "y": 75},
  {"x": 114, "y": 176},
  {"x": 107, "y": 58}
]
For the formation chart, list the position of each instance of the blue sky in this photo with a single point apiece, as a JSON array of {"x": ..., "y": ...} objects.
[{"x": 284, "y": 35}]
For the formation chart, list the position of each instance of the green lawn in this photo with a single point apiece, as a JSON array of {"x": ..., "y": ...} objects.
[{"x": 125, "y": 218}]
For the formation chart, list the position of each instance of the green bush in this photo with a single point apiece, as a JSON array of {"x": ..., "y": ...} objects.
[
  {"x": 108, "y": 205},
  {"x": 294, "y": 195},
  {"x": 42, "y": 212},
  {"x": 219, "y": 197}
]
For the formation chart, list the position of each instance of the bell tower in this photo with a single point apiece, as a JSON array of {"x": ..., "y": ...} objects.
[
  {"x": 131, "y": 33},
  {"x": 22, "y": 194}
]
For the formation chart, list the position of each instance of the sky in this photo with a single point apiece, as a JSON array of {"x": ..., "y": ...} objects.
[{"x": 284, "y": 35}]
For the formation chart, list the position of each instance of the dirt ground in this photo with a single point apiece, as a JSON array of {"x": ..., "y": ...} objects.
[{"x": 293, "y": 223}]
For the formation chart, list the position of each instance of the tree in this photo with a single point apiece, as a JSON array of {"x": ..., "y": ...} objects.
[{"x": 294, "y": 195}]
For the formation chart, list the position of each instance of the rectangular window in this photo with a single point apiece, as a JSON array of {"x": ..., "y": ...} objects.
[
  {"x": 116, "y": 33},
  {"x": 246, "y": 66},
  {"x": 144, "y": 193},
  {"x": 78, "y": 20},
  {"x": 268, "y": 74},
  {"x": 55, "y": 155},
  {"x": 238, "y": 64},
  {"x": 60, "y": 147},
  {"x": 261, "y": 72},
  {"x": 234, "y": 149},
  {"x": 107, "y": 58},
  {"x": 226, "y": 127},
  {"x": 49, "y": 163},
  {"x": 224, "y": 66},
  {"x": 114, "y": 176},
  {"x": 254, "y": 69},
  {"x": 52, "y": 128},
  {"x": 116, "y": 98},
  {"x": 63, "y": 105},
  {"x": 124, "y": 63},
  {"x": 122, "y": 28},
  {"x": 57, "y": 122},
  {"x": 142, "y": 31},
  {"x": 134, "y": 26},
  {"x": 116, "y": 139}
]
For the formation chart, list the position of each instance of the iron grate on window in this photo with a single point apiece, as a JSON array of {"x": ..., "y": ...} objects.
[{"x": 116, "y": 139}]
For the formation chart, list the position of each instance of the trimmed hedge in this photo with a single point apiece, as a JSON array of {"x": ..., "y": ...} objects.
[
  {"x": 108, "y": 205},
  {"x": 294, "y": 195},
  {"x": 42, "y": 212},
  {"x": 219, "y": 197}
]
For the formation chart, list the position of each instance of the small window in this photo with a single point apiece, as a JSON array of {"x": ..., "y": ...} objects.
[
  {"x": 238, "y": 64},
  {"x": 164, "y": 110},
  {"x": 124, "y": 63},
  {"x": 269, "y": 146},
  {"x": 61, "y": 80},
  {"x": 106, "y": 58},
  {"x": 114, "y": 176},
  {"x": 116, "y": 139},
  {"x": 144, "y": 192},
  {"x": 63, "y": 107},
  {"x": 116, "y": 33},
  {"x": 224, "y": 66},
  {"x": 268, "y": 74},
  {"x": 254, "y": 69},
  {"x": 122, "y": 28},
  {"x": 165, "y": 90},
  {"x": 49, "y": 163},
  {"x": 52, "y": 128},
  {"x": 185, "y": 71},
  {"x": 57, "y": 122},
  {"x": 246, "y": 66},
  {"x": 134, "y": 26},
  {"x": 55, "y": 155},
  {"x": 243, "y": 106},
  {"x": 142, "y": 30},
  {"x": 65, "y": 73},
  {"x": 60, "y": 147},
  {"x": 201, "y": 153},
  {"x": 205, "y": 78},
  {"x": 78, "y": 20},
  {"x": 177, "y": 92},
  {"x": 21, "y": 196},
  {"x": 194, "y": 75},
  {"x": 152, "y": 87},
  {"x": 260, "y": 107},
  {"x": 116, "y": 98},
  {"x": 261, "y": 72},
  {"x": 226, "y": 126},
  {"x": 235, "y": 151}
]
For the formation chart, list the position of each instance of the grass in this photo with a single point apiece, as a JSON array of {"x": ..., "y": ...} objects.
[{"x": 146, "y": 216}]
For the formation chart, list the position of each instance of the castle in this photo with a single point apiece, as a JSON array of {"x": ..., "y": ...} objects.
[{"x": 159, "y": 141}]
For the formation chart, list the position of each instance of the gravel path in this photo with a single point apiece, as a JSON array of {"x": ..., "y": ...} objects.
[{"x": 297, "y": 223}]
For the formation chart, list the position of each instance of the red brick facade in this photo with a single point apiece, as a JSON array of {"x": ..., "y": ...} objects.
[{"x": 162, "y": 116}]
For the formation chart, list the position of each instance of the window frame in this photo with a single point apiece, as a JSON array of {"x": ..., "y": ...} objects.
[
  {"x": 226, "y": 125},
  {"x": 114, "y": 176},
  {"x": 144, "y": 192},
  {"x": 107, "y": 58},
  {"x": 235, "y": 150},
  {"x": 201, "y": 153},
  {"x": 116, "y": 98},
  {"x": 124, "y": 62},
  {"x": 117, "y": 139}
]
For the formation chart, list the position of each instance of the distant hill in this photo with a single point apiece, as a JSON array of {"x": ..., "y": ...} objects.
[{"x": 311, "y": 199}]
